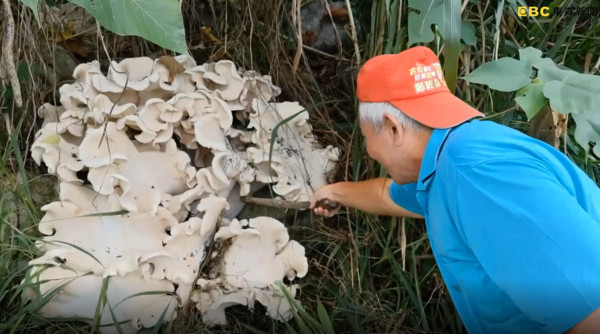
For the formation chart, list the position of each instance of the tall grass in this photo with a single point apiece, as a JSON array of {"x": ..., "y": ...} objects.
[{"x": 367, "y": 274}]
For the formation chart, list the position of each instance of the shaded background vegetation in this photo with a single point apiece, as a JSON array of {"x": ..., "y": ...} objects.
[{"x": 367, "y": 274}]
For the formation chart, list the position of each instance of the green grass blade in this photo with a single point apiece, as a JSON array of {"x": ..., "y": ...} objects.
[
  {"x": 114, "y": 319},
  {"x": 256, "y": 331},
  {"x": 105, "y": 214},
  {"x": 324, "y": 318},
  {"x": 102, "y": 300},
  {"x": 563, "y": 37},
  {"x": 415, "y": 299},
  {"x": 14, "y": 143},
  {"x": 144, "y": 293},
  {"x": 76, "y": 247},
  {"x": 452, "y": 24},
  {"x": 161, "y": 320},
  {"x": 298, "y": 311}
]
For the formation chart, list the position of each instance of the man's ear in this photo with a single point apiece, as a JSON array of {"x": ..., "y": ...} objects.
[{"x": 394, "y": 128}]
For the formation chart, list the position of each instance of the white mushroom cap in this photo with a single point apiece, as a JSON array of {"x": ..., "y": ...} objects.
[
  {"x": 297, "y": 160},
  {"x": 74, "y": 224},
  {"x": 135, "y": 72},
  {"x": 78, "y": 296},
  {"x": 142, "y": 187},
  {"x": 213, "y": 207},
  {"x": 212, "y": 303},
  {"x": 233, "y": 81},
  {"x": 50, "y": 113},
  {"x": 181, "y": 82},
  {"x": 79, "y": 240},
  {"x": 59, "y": 155},
  {"x": 103, "y": 108},
  {"x": 257, "y": 87},
  {"x": 209, "y": 133},
  {"x": 259, "y": 256},
  {"x": 104, "y": 146},
  {"x": 176, "y": 191}
]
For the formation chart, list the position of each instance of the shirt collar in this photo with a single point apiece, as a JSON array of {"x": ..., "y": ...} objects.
[{"x": 430, "y": 158}]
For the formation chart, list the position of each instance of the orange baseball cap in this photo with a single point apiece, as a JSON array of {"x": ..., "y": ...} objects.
[{"x": 413, "y": 82}]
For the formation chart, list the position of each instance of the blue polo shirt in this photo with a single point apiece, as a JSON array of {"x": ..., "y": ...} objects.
[{"x": 514, "y": 226}]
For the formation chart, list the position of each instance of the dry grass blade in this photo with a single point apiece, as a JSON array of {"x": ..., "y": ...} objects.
[
  {"x": 297, "y": 5},
  {"x": 403, "y": 243}
]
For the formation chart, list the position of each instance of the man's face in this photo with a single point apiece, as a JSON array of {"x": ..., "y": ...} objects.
[
  {"x": 379, "y": 145},
  {"x": 394, "y": 148}
]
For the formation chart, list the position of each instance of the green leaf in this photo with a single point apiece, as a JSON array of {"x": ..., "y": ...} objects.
[
  {"x": 159, "y": 21},
  {"x": 467, "y": 33},
  {"x": 25, "y": 70},
  {"x": 421, "y": 18},
  {"x": 34, "y": 5},
  {"x": 548, "y": 71},
  {"x": 530, "y": 55},
  {"x": 424, "y": 14},
  {"x": 505, "y": 74},
  {"x": 452, "y": 25},
  {"x": 576, "y": 94},
  {"x": 531, "y": 99},
  {"x": 588, "y": 130}
]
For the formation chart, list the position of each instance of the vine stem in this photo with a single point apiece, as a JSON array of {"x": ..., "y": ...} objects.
[{"x": 7, "y": 53}]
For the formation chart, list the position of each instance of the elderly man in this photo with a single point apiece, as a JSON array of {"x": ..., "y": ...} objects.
[{"x": 514, "y": 225}]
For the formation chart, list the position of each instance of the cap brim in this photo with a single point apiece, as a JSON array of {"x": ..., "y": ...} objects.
[{"x": 438, "y": 111}]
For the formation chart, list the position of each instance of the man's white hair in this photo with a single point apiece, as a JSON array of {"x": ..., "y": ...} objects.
[{"x": 373, "y": 113}]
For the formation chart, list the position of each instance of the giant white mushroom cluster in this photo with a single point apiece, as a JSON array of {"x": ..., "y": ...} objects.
[{"x": 151, "y": 160}]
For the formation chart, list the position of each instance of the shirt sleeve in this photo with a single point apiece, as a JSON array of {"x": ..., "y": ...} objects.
[
  {"x": 532, "y": 238},
  {"x": 406, "y": 196}
]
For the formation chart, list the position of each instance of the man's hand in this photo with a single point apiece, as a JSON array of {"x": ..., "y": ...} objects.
[
  {"x": 321, "y": 201},
  {"x": 372, "y": 196}
]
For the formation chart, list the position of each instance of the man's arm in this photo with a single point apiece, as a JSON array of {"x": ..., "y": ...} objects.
[{"x": 371, "y": 196}]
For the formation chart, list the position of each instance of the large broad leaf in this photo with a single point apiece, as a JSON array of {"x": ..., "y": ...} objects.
[
  {"x": 505, "y": 74},
  {"x": 34, "y": 5},
  {"x": 577, "y": 93},
  {"x": 530, "y": 56},
  {"x": 159, "y": 21},
  {"x": 425, "y": 14},
  {"x": 548, "y": 71},
  {"x": 531, "y": 99},
  {"x": 467, "y": 33},
  {"x": 588, "y": 130}
]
